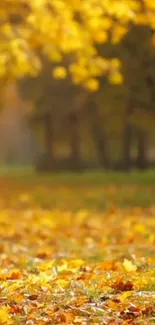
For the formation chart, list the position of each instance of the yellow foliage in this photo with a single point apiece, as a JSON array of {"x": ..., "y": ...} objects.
[{"x": 65, "y": 28}]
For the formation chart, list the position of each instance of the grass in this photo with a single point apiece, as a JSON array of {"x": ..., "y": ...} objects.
[
  {"x": 93, "y": 190},
  {"x": 87, "y": 177}
]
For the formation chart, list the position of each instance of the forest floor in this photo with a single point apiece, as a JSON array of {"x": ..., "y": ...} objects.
[{"x": 77, "y": 249}]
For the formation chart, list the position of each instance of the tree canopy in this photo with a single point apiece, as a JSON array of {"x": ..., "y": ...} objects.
[{"x": 67, "y": 31}]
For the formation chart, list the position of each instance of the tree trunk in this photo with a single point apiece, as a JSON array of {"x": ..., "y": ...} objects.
[
  {"x": 75, "y": 143},
  {"x": 127, "y": 140},
  {"x": 48, "y": 137},
  {"x": 47, "y": 161},
  {"x": 142, "y": 146},
  {"x": 98, "y": 134},
  {"x": 127, "y": 146}
]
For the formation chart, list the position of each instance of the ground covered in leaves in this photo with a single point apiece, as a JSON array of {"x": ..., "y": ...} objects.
[{"x": 66, "y": 258}]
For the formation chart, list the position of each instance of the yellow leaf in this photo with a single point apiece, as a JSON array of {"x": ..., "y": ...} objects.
[
  {"x": 79, "y": 71},
  {"x": 76, "y": 263},
  {"x": 115, "y": 63},
  {"x": 113, "y": 305},
  {"x": 63, "y": 267},
  {"x": 55, "y": 56},
  {"x": 4, "y": 316},
  {"x": 129, "y": 266},
  {"x": 62, "y": 283},
  {"x": 101, "y": 37},
  {"x": 59, "y": 73},
  {"x": 125, "y": 295},
  {"x": 140, "y": 228},
  {"x": 78, "y": 320},
  {"x": 118, "y": 33},
  {"x": 92, "y": 84},
  {"x": 116, "y": 78},
  {"x": 106, "y": 23}
]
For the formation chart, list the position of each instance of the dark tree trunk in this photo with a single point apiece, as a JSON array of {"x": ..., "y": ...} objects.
[
  {"x": 127, "y": 140},
  {"x": 127, "y": 146},
  {"x": 49, "y": 137},
  {"x": 142, "y": 146},
  {"x": 97, "y": 128},
  {"x": 75, "y": 141},
  {"x": 46, "y": 162}
]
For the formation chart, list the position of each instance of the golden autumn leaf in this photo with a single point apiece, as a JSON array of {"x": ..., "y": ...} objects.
[
  {"x": 116, "y": 78},
  {"x": 101, "y": 37},
  {"x": 4, "y": 316},
  {"x": 129, "y": 266},
  {"x": 125, "y": 295},
  {"x": 67, "y": 317},
  {"x": 62, "y": 283},
  {"x": 59, "y": 72},
  {"x": 92, "y": 85}
]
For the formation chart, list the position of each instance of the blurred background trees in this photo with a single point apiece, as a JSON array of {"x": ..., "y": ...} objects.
[{"x": 77, "y": 84}]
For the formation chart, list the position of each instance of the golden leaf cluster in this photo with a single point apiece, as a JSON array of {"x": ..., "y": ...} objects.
[{"x": 33, "y": 29}]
